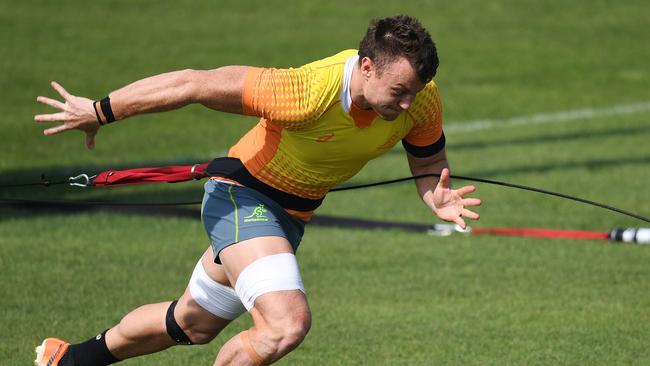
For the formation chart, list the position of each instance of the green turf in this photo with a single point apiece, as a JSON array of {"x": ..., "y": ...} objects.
[{"x": 378, "y": 297}]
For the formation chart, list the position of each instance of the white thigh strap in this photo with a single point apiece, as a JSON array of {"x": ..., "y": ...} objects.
[
  {"x": 214, "y": 297},
  {"x": 278, "y": 272}
]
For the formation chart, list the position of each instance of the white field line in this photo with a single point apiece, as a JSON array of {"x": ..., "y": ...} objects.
[{"x": 541, "y": 118}]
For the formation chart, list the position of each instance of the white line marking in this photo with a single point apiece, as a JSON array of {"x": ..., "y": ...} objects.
[{"x": 534, "y": 119}]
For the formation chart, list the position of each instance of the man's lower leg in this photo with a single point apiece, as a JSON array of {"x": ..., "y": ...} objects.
[{"x": 140, "y": 332}]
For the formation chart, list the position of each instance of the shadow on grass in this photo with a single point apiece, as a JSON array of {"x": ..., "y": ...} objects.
[
  {"x": 193, "y": 213},
  {"x": 512, "y": 171},
  {"x": 553, "y": 138},
  {"x": 554, "y": 166},
  {"x": 540, "y": 139}
]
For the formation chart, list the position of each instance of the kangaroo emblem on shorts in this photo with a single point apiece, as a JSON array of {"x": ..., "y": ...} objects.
[{"x": 257, "y": 215}]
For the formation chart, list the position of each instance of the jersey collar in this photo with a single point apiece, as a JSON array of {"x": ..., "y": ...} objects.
[{"x": 362, "y": 117}]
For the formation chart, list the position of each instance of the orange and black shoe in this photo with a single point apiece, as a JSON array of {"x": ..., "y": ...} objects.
[{"x": 50, "y": 352}]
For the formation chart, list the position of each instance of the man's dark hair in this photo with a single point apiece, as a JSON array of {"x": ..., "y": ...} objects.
[{"x": 402, "y": 35}]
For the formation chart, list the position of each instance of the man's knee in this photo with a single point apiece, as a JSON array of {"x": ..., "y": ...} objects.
[
  {"x": 283, "y": 319},
  {"x": 272, "y": 340},
  {"x": 292, "y": 331}
]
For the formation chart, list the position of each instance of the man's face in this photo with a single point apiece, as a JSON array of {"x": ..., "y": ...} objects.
[{"x": 392, "y": 89}]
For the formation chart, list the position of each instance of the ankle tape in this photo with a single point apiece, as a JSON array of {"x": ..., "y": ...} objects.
[{"x": 248, "y": 347}]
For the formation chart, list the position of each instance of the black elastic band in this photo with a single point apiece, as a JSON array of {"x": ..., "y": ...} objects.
[
  {"x": 108, "y": 111},
  {"x": 234, "y": 169},
  {"x": 425, "y": 151},
  {"x": 173, "y": 329}
]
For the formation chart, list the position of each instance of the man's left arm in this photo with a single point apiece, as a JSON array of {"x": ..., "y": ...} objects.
[{"x": 447, "y": 203}]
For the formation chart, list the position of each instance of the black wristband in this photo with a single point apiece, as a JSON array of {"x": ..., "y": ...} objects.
[
  {"x": 99, "y": 120},
  {"x": 106, "y": 109}
]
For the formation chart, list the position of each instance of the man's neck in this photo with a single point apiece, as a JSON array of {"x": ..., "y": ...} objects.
[{"x": 356, "y": 88}]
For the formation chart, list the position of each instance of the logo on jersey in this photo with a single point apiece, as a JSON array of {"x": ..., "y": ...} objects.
[
  {"x": 259, "y": 214},
  {"x": 325, "y": 138}
]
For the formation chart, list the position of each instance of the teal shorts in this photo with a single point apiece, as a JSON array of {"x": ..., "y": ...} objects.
[{"x": 232, "y": 213}]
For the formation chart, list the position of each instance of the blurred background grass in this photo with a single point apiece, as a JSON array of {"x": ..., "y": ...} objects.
[{"x": 378, "y": 297}]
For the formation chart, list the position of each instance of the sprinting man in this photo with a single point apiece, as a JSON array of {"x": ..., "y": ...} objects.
[{"x": 320, "y": 124}]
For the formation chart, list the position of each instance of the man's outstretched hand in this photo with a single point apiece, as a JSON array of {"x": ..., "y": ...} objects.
[
  {"x": 450, "y": 204},
  {"x": 75, "y": 113}
]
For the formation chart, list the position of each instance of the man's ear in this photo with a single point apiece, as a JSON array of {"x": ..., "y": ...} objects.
[{"x": 368, "y": 67}]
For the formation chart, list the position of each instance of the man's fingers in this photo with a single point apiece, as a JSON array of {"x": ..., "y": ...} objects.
[
  {"x": 460, "y": 222},
  {"x": 471, "y": 202},
  {"x": 51, "y": 102},
  {"x": 470, "y": 214},
  {"x": 49, "y": 117},
  {"x": 444, "y": 178},
  {"x": 462, "y": 191},
  {"x": 55, "y": 130},
  {"x": 60, "y": 90}
]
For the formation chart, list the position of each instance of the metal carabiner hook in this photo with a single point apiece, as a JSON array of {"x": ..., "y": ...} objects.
[
  {"x": 447, "y": 229},
  {"x": 81, "y": 180}
]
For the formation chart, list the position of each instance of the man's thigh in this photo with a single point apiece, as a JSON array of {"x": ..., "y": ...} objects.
[
  {"x": 265, "y": 274},
  {"x": 235, "y": 258}
]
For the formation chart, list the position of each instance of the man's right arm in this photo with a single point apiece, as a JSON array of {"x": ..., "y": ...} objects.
[{"x": 219, "y": 89}]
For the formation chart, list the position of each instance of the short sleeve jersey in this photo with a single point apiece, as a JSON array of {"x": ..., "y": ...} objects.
[{"x": 311, "y": 136}]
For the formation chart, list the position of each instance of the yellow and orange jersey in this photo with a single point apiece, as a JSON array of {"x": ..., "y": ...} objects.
[{"x": 311, "y": 136}]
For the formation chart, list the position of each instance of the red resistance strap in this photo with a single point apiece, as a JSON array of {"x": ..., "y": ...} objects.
[
  {"x": 544, "y": 233},
  {"x": 170, "y": 174}
]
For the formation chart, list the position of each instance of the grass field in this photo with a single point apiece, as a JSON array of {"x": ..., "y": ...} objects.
[{"x": 379, "y": 297}]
